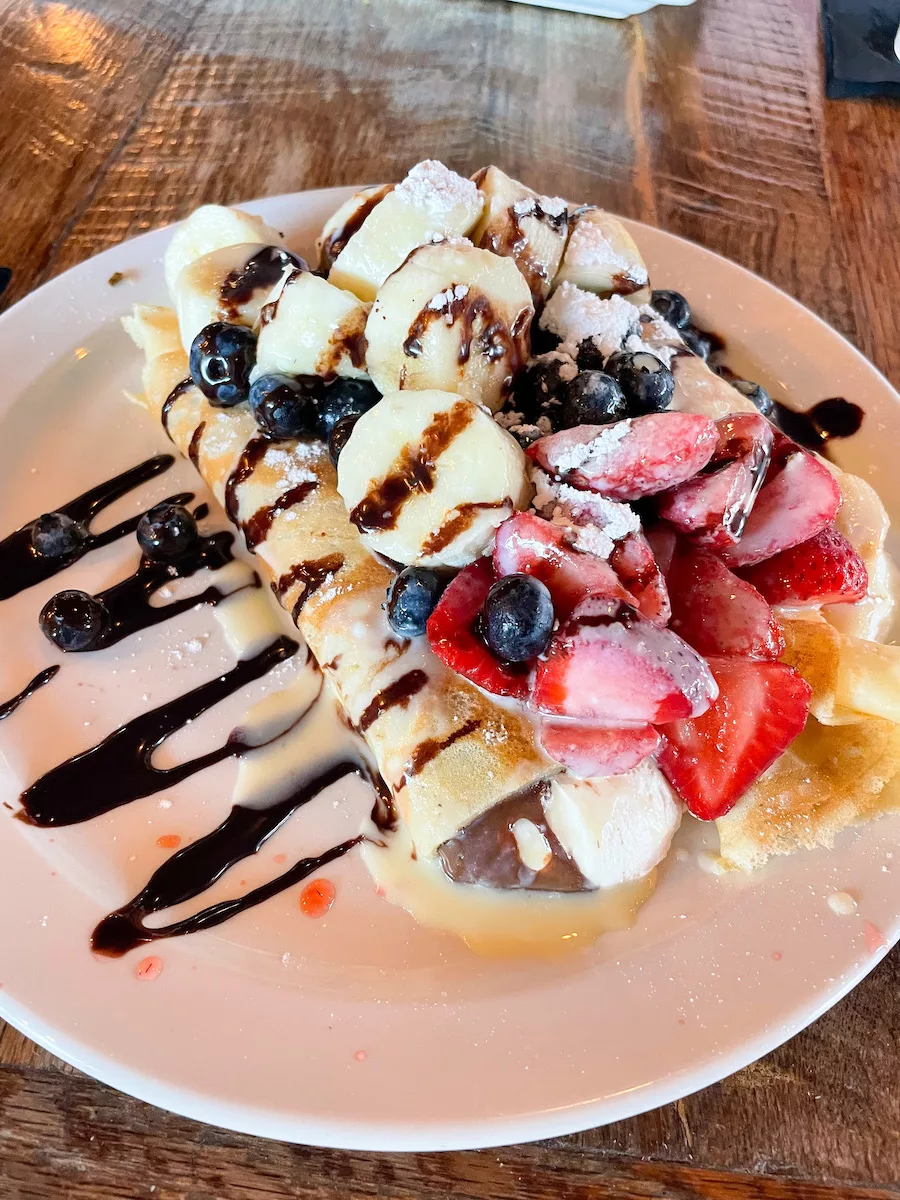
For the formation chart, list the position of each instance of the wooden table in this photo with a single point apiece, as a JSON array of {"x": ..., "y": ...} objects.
[{"x": 708, "y": 121}]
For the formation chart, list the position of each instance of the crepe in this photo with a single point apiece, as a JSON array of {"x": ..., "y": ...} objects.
[{"x": 448, "y": 753}]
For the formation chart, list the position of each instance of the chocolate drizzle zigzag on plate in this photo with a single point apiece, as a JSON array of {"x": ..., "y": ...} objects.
[
  {"x": 40, "y": 680},
  {"x": 129, "y": 602},
  {"x": 21, "y": 567},
  {"x": 120, "y": 769},
  {"x": 191, "y": 871}
]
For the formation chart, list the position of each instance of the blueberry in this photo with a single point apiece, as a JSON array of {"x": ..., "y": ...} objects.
[
  {"x": 757, "y": 394},
  {"x": 647, "y": 382},
  {"x": 672, "y": 307},
  {"x": 166, "y": 531},
  {"x": 412, "y": 598},
  {"x": 537, "y": 390},
  {"x": 54, "y": 535},
  {"x": 592, "y": 398},
  {"x": 222, "y": 357},
  {"x": 542, "y": 340},
  {"x": 284, "y": 405},
  {"x": 340, "y": 436},
  {"x": 517, "y": 619},
  {"x": 696, "y": 342},
  {"x": 345, "y": 398},
  {"x": 590, "y": 357},
  {"x": 74, "y": 621}
]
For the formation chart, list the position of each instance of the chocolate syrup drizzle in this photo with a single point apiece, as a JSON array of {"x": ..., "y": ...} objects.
[
  {"x": 815, "y": 428},
  {"x": 432, "y": 747},
  {"x": 400, "y": 692},
  {"x": 21, "y": 567},
  {"x": 128, "y": 602},
  {"x": 253, "y": 454},
  {"x": 413, "y": 471},
  {"x": 179, "y": 390},
  {"x": 336, "y": 241},
  {"x": 120, "y": 768},
  {"x": 256, "y": 529},
  {"x": 263, "y": 270},
  {"x": 483, "y": 330},
  {"x": 313, "y": 574},
  {"x": 40, "y": 680}
]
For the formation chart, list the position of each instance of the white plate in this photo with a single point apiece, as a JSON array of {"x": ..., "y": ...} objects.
[{"x": 373, "y": 1033}]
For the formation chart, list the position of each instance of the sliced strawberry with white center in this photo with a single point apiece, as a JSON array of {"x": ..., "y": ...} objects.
[
  {"x": 825, "y": 569},
  {"x": 792, "y": 507},
  {"x": 630, "y": 458},
  {"x": 634, "y": 563},
  {"x": 591, "y": 751},
  {"x": 716, "y": 612},
  {"x": 715, "y": 506},
  {"x": 714, "y": 758},
  {"x": 453, "y": 636},
  {"x": 529, "y": 545},
  {"x": 611, "y": 666}
]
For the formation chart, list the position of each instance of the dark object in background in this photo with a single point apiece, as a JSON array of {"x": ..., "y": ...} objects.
[{"x": 859, "y": 48}]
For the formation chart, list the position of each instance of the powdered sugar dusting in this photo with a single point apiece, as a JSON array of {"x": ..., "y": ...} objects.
[
  {"x": 575, "y": 315},
  {"x": 552, "y": 206},
  {"x": 591, "y": 247},
  {"x": 592, "y": 523},
  {"x": 658, "y": 336},
  {"x": 290, "y": 466},
  {"x": 595, "y": 450},
  {"x": 432, "y": 186}
]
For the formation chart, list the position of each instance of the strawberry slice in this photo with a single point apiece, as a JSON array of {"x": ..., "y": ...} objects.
[
  {"x": 453, "y": 636},
  {"x": 630, "y": 458},
  {"x": 712, "y": 760},
  {"x": 662, "y": 541},
  {"x": 590, "y": 751},
  {"x": 633, "y": 562},
  {"x": 530, "y": 545},
  {"x": 792, "y": 507},
  {"x": 825, "y": 569},
  {"x": 716, "y": 612},
  {"x": 715, "y": 506},
  {"x": 611, "y": 666}
]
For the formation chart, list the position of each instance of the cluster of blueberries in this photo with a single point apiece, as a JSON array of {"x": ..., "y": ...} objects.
[
  {"x": 75, "y": 621},
  {"x": 624, "y": 384},
  {"x": 284, "y": 406}
]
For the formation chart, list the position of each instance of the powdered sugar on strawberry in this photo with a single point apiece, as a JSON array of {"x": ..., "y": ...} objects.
[{"x": 592, "y": 523}]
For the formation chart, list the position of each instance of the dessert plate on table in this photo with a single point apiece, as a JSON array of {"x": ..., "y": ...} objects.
[{"x": 363, "y": 1029}]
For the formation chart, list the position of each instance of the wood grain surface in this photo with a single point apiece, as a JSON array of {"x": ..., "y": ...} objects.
[{"x": 708, "y": 121}]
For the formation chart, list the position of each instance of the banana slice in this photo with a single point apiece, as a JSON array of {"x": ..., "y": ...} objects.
[
  {"x": 431, "y": 203},
  {"x": 617, "y": 828},
  {"x": 518, "y": 223},
  {"x": 213, "y": 227},
  {"x": 601, "y": 257},
  {"x": 310, "y": 327},
  {"x": 231, "y": 284},
  {"x": 341, "y": 226},
  {"x": 427, "y": 477},
  {"x": 452, "y": 317}
]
